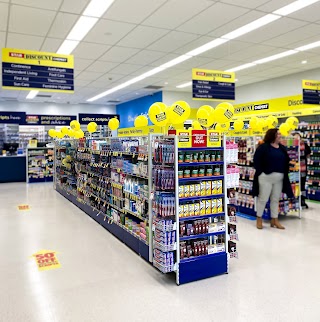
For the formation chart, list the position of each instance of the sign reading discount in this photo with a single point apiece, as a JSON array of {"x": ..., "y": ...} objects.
[
  {"x": 213, "y": 85},
  {"x": 46, "y": 260},
  {"x": 35, "y": 70},
  {"x": 311, "y": 92}
]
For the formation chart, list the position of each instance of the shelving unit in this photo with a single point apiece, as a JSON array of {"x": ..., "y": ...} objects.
[
  {"x": 27, "y": 132},
  {"x": 131, "y": 187},
  {"x": 40, "y": 164},
  {"x": 311, "y": 132}
]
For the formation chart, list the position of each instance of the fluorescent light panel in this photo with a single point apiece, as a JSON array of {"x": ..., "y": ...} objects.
[
  {"x": 294, "y": 6},
  {"x": 308, "y": 47},
  {"x": 184, "y": 85},
  {"x": 208, "y": 46},
  {"x": 251, "y": 26},
  {"x": 67, "y": 47},
  {"x": 97, "y": 8},
  {"x": 32, "y": 95},
  {"x": 241, "y": 67},
  {"x": 275, "y": 57},
  {"x": 82, "y": 27}
]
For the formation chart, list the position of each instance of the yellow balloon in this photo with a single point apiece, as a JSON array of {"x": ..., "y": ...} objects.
[
  {"x": 60, "y": 135},
  {"x": 52, "y": 133},
  {"x": 92, "y": 127},
  {"x": 238, "y": 125},
  {"x": 224, "y": 112},
  {"x": 75, "y": 125},
  {"x": 260, "y": 125},
  {"x": 71, "y": 133},
  {"x": 293, "y": 122},
  {"x": 222, "y": 127},
  {"x": 179, "y": 126},
  {"x": 113, "y": 124},
  {"x": 64, "y": 130},
  {"x": 205, "y": 118},
  {"x": 178, "y": 112},
  {"x": 272, "y": 121},
  {"x": 158, "y": 114},
  {"x": 284, "y": 129},
  {"x": 209, "y": 108},
  {"x": 81, "y": 134},
  {"x": 196, "y": 125},
  {"x": 253, "y": 122},
  {"x": 77, "y": 135},
  {"x": 140, "y": 121}
]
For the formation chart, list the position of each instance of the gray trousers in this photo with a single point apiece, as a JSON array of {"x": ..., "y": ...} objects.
[{"x": 270, "y": 186}]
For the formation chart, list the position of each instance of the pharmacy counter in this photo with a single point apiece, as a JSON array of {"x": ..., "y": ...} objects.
[{"x": 13, "y": 168}]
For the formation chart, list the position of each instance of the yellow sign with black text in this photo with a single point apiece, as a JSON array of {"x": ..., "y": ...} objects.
[
  {"x": 139, "y": 131},
  {"x": 36, "y": 70}
]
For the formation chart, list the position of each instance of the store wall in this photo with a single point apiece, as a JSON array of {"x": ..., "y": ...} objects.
[
  {"x": 130, "y": 110},
  {"x": 55, "y": 109}
]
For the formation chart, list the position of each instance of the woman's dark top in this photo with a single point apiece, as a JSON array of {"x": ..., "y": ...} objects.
[{"x": 268, "y": 159}]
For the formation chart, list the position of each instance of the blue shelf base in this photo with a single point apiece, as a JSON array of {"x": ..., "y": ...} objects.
[
  {"x": 131, "y": 241},
  {"x": 202, "y": 267},
  {"x": 315, "y": 196}
]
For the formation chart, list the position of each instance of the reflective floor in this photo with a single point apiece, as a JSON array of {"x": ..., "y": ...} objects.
[{"x": 276, "y": 278}]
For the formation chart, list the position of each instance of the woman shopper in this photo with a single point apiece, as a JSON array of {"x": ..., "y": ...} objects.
[{"x": 271, "y": 162}]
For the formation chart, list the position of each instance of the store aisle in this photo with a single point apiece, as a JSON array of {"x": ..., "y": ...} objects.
[{"x": 100, "y": 279}]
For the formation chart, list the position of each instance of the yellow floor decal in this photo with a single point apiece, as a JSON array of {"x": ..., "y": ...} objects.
[
  {"x": 46, "y": 260},
  {"x": 24, "y": 207}
]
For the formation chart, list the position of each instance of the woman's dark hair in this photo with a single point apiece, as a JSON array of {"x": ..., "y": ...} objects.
[{"x": 270, "y": 136}]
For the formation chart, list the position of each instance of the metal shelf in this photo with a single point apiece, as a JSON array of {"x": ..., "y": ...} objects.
[
  {"x": 202, "y": 197},
  {"x": 211, "y": 178},
  {"x": 201, "y": 149},
  {"x": 201, "y": 235},
  {"x": 200, "y": 163},
  {"x": 201, "y": 217}
]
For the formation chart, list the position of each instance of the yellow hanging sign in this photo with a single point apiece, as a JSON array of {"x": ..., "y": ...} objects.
[
  {"x": 213, "y": 139},
  {"x": 138, "y": 131}
]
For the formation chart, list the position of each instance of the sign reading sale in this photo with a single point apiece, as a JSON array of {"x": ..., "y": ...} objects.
[{"x": 46, "y": 260}]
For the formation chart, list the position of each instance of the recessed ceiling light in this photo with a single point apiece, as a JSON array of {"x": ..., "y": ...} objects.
[
  {"x": 166, "y": 83},
  {"x": 274, "y": 57},
  {"x": 137, "y": 93},
  {"x": 96, "y": 8},
  {"x": 241, "y": 67},
  {"x": 236, "y": 79},
  {"x": 32, "y": 95},
  {"x": 304, "y": 62}
]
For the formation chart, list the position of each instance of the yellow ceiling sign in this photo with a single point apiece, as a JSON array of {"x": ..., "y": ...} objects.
[{"x": 138, "y": 131}]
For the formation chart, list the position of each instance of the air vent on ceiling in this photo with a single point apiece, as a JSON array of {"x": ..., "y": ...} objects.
[
  {"x": 153, "y": 87},
  {"x": 44, "y": 95},
  {"x": 113, "y": 101}
]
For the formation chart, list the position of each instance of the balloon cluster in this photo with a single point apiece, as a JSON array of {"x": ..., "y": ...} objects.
[
  {"x": 74, "y": 131},
  {"x": 161, "y": 115},
  {"x": 262, "y": 125},
  {"x": 113, "y": 124},
  {"x": 290, "y": 125}
]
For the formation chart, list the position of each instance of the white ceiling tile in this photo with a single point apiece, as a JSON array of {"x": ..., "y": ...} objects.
[
  {"x": 193, "y": 62},
  {"x": 108, "y": 32},
  {"x": 62, "y": 25},
  {"x": 101, "y": 66},
  {"x": 132, "y": 11},
  {"x": 142, "y": 37},
  {"x": 310, "y": 13},
  {"x": 109, "y": 78},
  {"x": 272, "y": 30},
  {"x": 164, "y": 59},
  {"x": 273, "y": 5},
  {"x": 3, "y": 16},
  {"x": 42, "y": 4},
  {"x": 217, "y": 15},
  {"x": 196, "y": 43},
  {"x": 2, "y": 41},
  {"x": 141, "y": 70},
  {"x": 292, "y": 37},
  {"x": 24, "y": 41},
  {"x": 51, "y": 45},
  {"x": 125, "y": 69},
  {"x": 81, "y": 64},
  {"x": 81, "y": 82},
  {"x": 74, "y": 6},
  {"x": 176, "y": 12},
  {"x": 119, "y": 54},
  {"x": 173, "y": 41},
  {"x": 237, "y": 23},
  {"x": 220, "y": 64},
  {"x": 39, "y": 21},
  {"x": 145, "y": 57},
  {"x": 226, "y": 49},
  {"x": 252, "y": 4},
  {"x": 85, "y": 75},
  {"x": 89, "y": 51}
]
